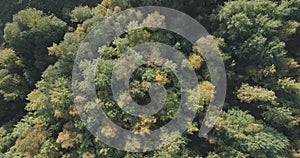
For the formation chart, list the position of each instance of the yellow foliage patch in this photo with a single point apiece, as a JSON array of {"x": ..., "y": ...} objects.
[
  {"x": 196, "y": 61},
  {"x": 161, "y": 77}
]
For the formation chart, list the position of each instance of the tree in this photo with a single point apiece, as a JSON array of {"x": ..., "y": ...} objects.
[
  {"x": 80, "y": 14},
  {"x": 13, "y": 88},
  {"x": 30, "y": 33},
  {"x": 262, "y": 68},
  {"x": 238, "y": 131}
]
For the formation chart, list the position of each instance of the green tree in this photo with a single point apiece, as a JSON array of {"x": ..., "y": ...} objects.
[
  {"x": 80, "y": 14},
  {"x": 30, "y": 33},
  {"x": 13, "y": 88},
  {"x": 263, "y": 69},
  {"x": 238, "y": 132}
]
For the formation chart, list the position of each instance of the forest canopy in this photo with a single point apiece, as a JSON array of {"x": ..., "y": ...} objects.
[{"x": 258, "y": 42}]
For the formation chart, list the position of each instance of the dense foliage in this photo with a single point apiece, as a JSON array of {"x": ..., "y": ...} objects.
[{"x": 259, "y": 41}]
